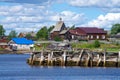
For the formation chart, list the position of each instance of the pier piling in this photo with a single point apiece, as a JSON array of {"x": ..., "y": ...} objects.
[
  {"x": 41, "y": 58},
  {"x": 80, "y": 57},
  {"x": 104, "y": 58},
  {"x": 118, "y": 59}
]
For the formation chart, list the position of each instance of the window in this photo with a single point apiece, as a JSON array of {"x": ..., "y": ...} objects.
[
  {"x": 97, "y": 36},
  {"x": 91, "y": 36},
  {"x": 103, "y": 36},
  {"x": 88, "y": 36},
  {"x": 72, "y": 36}
]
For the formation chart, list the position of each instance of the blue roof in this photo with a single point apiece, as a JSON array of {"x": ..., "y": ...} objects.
[{"x": 22, "y": 41}]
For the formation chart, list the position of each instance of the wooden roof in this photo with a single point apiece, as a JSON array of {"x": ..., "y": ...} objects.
[
  {"x": 87, "y": 30},
  {"x": 92, "y": 30}
]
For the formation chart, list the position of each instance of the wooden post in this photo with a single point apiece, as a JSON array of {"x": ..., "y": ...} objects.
[
  {"x": 104, "y": 58},
  {"x": 88, "y": 59},
  {"x": 32, "y": 58},
  {"x": 98, "y": 60},
  {"x": 119, "y": 59},
  {"x": 91, "y": 60},
  {"x": 33, "y": 49},
  {"x": 79, "y": 58},
  {"x": 51, "y": 57},
  {"x": 41, "y": 58},
  {"x": 64, "y": 58}
]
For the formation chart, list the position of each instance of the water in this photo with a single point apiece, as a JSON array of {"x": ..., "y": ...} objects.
[{"x": 14, "y": 67}]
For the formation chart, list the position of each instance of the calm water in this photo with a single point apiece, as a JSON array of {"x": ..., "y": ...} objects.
[{"x": 14, "y": 67}]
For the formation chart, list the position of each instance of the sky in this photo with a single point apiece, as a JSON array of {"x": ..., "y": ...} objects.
[{"x": 31, "y": 15}]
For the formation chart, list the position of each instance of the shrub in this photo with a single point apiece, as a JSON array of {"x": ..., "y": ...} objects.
[{"x": 96, "y": 44}]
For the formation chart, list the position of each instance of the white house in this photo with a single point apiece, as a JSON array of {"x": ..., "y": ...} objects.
[{"x": 21, "y": 44}]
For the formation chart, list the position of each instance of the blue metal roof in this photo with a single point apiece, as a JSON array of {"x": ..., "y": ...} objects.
[{"x": 22, "y": 41}]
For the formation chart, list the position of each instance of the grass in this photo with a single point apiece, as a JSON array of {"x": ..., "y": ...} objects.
[
  {"x": 86, "y": 45},
  {"x": 1, "y": 49},
  {"x": 113, "y": 49},
  {"x": 108, "y": 47},
  {"x": 82, "y": 45},
  {"x": 41, "y": 46}
]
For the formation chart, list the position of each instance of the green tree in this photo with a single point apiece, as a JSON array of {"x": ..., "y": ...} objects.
[
  {"x": 115, "y": 29},
  {"x": 42, "y": 33},
  {"x": 50, "y": 28},
  {"x": 12, "y": 34},
  {"x": 28, "y": 36},
  {"x": 96, "y": 44},
  {"x": 2, "y": 30}
]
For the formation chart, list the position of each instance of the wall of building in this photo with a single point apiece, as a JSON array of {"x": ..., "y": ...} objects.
[
  {"x": 21, "y": 46},
  {"x": 99, "y": 36},
  {"x": 54, "y": 34}
]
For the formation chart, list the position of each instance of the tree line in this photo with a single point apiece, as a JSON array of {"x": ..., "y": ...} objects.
[{"x": 44, "y": 32}]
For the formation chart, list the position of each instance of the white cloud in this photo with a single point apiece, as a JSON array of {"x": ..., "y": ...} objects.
[
  {"x": 105, "y": 5},
  {"x": 17, "y": 10},
  {"x": 26, "y": 1},
  {"x": 104, "y": 21},
  {"x": 95, "y": 3},
  {"x": 18, "y": 17},
  {"x": 70, "y": 18}
]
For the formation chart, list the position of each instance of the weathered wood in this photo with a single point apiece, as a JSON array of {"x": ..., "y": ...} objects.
[
  {"x": 51, "y": 61},
  {"x": 98, "y": 62},
  {"x": 91, "y": 59},
  {"x": 73, "y": 58},
  {"x": 104, "y": 58},
  {"x": 88, "y": 59},
  {"x": 49, "y": 58},
  {"x": 118, "y": 59},
  {"x": 80, "y": 57},
  {"x": 41, "y": 58},
  {"x": 64, "y": 59},
  {"x": 32, "y": 58}
]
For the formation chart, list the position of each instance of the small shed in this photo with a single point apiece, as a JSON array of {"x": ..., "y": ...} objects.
[{"x": 21, "y": 44}]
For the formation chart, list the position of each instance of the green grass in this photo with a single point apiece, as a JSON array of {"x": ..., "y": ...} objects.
[
  {"x": 113, "y": 49},
  {"x": 82, "y": 45},
  {"x": 41, "y": 46},
  {"x": 108, "y": 47},
  {"x": 1, "y": 49}
]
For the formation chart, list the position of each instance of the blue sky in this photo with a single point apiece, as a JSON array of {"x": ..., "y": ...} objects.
[{"x": 31, "y": 15}]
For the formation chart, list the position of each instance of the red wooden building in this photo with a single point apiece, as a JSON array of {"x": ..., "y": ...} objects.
[{"x": 87, "y": 33}]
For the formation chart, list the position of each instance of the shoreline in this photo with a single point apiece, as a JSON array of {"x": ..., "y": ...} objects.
[{"x": 13, "y": 52}]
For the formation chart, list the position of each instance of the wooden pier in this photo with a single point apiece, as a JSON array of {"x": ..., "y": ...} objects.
[{"x": 79, "y": 57}]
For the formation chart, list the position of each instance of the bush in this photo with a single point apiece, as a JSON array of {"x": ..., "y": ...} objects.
[{"x": 96, "y": 44}]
